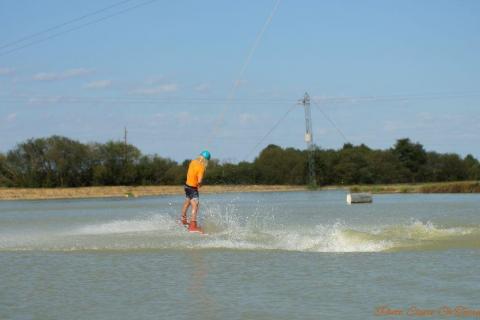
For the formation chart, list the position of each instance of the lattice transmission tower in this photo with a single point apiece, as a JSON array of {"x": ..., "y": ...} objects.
[{"x": 312, "y": 181}]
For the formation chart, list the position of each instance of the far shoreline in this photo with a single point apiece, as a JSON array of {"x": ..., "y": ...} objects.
[
  {"x": 9, "y": 194},
  {"x": 144, "y": 191}
]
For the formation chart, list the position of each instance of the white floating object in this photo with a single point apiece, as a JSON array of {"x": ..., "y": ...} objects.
[{"x": 363, "y": 197}]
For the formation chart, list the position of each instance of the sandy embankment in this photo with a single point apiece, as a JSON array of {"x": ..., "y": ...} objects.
[
  {"x": 142, "y": 191},
  {"x": 124, "y": 191},
  {"x": 433, "y": 187}
]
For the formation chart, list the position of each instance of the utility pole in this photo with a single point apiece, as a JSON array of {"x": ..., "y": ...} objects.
[
  {"x": 125, "y": 146},
  {"x": 309, "y": 140}
]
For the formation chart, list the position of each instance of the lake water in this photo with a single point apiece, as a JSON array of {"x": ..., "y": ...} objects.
[{"x": 296, "y": 255}]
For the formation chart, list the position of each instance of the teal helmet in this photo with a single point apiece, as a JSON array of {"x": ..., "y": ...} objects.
[{"x": 205, "y": 154}]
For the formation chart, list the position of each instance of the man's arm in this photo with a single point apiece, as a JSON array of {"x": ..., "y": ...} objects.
[{"x": 200, "y": 177}]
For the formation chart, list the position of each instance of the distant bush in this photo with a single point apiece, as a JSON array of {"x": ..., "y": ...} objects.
[
  {"x": 62, "y": 162},
  {"x": 457, "y": 187}
]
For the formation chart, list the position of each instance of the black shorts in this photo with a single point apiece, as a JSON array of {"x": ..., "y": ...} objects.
[{"x": 191, "y": 193}]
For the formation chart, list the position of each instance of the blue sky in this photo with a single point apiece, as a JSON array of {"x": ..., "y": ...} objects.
[{"x": 169, "y": 71}]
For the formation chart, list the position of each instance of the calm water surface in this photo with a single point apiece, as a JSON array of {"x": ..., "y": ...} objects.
[{"x": 298, "y": 255}]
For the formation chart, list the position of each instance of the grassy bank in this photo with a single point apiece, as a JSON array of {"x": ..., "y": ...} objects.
[
  {"x": 142, "y": 191},
  {"x": 124, "y": 191},
  {"x": 437, "y": 187}
]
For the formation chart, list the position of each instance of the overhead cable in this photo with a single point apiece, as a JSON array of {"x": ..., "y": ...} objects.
[
  {"x": 41, "y": 40},
  {"x": 61, "y": 25},
  {"x": 271, "y": 130},
  {"x": 331, "y": 122},
  {"x": 239, "y": 79}
]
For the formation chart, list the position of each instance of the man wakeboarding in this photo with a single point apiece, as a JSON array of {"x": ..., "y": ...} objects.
[{"x": 196, "y": 171}]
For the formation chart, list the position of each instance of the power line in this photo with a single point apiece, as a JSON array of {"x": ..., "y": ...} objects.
[
  {"x": 406, "y": 97},
  {"x": 246, "y": 101},
  {"x": 73, "y": 99},
  {"x": 76, "y": 28},
  {"x": 331, "y": 121},
  {"x": 271, "y": 130},
  {"x": 58, "y": 26},
  {"x": 238, "y": 80}
]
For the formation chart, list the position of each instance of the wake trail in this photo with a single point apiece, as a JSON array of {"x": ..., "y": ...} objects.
[{"x": 232, "y": 230}]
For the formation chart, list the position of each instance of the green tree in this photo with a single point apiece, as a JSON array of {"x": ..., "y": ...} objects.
[
  {"x": 412, "y": 156},
  {"x": 473, "y": 167},
  {"x": 325, "y": 161},
  {"x": 452, "y": 168},
  {"x": 387, "y": 168},
  {"x": 49, "y": 162},
  {"x": 176, "y": 175},
  {"x": 5, "y": 175},
  {"x": 229, "y": 173},
  {"x": 277, "y": 166},
  {"x": 29, "y": 165},
  {"x": 68, "y": 161},
  {"x": 153, "y": 170},
  {"x": 59, "y": 161},
  {"x": 115, "y": 163},
  {"x": 353, "y": 166}
]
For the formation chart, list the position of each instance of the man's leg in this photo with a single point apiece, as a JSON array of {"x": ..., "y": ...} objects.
[
  {"x": 195, "y": 204},
  {"x": 193, "y": 227},
  {"x": 186, "y": 204}
]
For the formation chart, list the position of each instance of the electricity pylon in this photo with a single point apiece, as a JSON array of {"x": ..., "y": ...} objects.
[{"x": 309, "y": 140}]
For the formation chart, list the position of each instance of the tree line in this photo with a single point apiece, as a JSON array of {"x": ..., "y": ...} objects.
[{"x": 62, "y": 162}]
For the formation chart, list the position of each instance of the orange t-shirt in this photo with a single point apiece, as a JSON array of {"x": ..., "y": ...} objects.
[{"x": 195, "y": 173}]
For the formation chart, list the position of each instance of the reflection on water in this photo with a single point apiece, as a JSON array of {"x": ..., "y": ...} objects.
[{"x": 197, "y": 287}]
